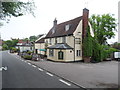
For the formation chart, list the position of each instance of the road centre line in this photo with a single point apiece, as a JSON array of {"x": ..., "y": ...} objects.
[
  {"x": 49, "y": 74},
  {"x": 29, "y": 63},
  {"x": 33, "y": 65},
  {"x": 64, "y": 82},
  {"x": 40, "y": 69}
]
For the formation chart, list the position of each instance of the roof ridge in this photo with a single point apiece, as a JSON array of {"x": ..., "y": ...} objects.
[{"x": 70, "y": 20}]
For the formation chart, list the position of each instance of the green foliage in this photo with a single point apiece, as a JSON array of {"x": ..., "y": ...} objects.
[
  {"x": 29, "y": 57},
  {"x": 107, "y": 50},
  {"x": 29, "y": 52},
  {"x": 9, "y": 44},
  {"x": 4, "y": 47},
  {"x": 12, "y": 49},
  {"x": 116, "y": 45},
  {"x": 87, "y": 45},
  {"x": 95, "y": 47},
  {"x": 16, "y": 9},
  {"x": 103, "y": 27},
  {"x": 33, "y": 38}
]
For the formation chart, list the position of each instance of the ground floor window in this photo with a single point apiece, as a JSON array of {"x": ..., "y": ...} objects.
[
  {"x": 51, "y": 52},
  {"x": 77, "y": 52},
  {"x": 60, "y": 55}
]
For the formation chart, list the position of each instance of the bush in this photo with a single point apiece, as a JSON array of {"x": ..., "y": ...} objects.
[
  {"x": 29, "y": 52},
  {"x": 29, "y": 57}
]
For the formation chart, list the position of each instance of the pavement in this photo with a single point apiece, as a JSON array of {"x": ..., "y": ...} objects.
[{"x": 86, "y": 75}]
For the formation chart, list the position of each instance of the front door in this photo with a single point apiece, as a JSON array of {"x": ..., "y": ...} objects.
[{"x": 60, "y": 55}]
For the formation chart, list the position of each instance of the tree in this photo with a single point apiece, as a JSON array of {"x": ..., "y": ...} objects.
[
  {"x": 95, "y": 47},
  {"x": 9, "y": 44},
  {"x": 103, "y": 26},
  {"x": 33, "y": 38},
  {"x": 17, "y": 8}
]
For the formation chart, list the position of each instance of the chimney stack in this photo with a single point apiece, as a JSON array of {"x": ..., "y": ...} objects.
[
  {"x": 85, "y": 22},
  {"x": 55, "y": 22}
]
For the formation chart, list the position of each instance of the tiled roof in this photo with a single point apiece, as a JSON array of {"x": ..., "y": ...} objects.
[
  {"x": 60, "y": 46},
  {"x": 40, "y": 41},
  {"x": 60, "y": 28}
]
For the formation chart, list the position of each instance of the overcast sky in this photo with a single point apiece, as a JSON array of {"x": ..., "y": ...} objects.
[{"x": 48, "y": 10}]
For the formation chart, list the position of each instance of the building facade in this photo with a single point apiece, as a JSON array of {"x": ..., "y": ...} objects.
[
  {"x": 40, "y": 46},
  {"x": 24, "y": 46},
  {"x": 64, "y": 40}
]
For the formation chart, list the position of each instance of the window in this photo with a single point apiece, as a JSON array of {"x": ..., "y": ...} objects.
[
  {"x": 55, "y": 40},
  {"x": 50, "y": 41},
  {"x": 78, "y": 53},
  {"x": 60, "y": 55},
  {"x": 77, "y": 41},
  {"x": 53, "y": 30},
  {"x": 36, "y": 51},
  {"x": 63, "y": 39},
  {"x": 51, "y": 52},
  {"x": 67, "y": 27}
]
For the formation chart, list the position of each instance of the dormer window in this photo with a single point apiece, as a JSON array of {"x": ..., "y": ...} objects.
[
  {"x": 67, "y": 27},
  {"x": 53, "y": 31}
]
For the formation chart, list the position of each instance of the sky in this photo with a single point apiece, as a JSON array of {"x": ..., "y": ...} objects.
[{"x": 47, "y": 10}]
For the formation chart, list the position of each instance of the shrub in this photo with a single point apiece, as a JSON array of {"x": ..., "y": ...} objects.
[{"x": 29, "y": 57}]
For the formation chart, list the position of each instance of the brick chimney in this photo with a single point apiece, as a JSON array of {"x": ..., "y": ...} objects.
[
  {"x": 85, "y": 22},
  {"x": 54, "y": 26},
  {"x": 55, "y": 22},
  {"x": 84, "y": 27}
]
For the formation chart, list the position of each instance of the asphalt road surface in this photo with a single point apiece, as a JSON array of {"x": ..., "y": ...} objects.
[{"x": 18, "y": 73}]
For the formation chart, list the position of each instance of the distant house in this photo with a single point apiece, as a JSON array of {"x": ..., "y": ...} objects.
[
  {"x": 64, "y": 40},
  {"x": 40, "y": 46},
  {"x": 24, "y": 45}
]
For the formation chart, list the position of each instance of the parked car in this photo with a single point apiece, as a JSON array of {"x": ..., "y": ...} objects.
[{"x": 36, "y": 57}]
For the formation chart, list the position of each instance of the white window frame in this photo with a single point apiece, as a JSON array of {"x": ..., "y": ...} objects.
[{"x": 78, "y": 53}]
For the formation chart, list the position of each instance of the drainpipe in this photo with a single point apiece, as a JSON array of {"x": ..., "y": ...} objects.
[{"x": 74, "y": 48}]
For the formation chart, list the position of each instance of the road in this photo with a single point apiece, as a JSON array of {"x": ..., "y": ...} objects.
[{"x": 21, "y": 74}]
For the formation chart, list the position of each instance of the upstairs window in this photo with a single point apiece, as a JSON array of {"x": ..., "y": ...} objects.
[
  {"x": 53, "y": 30},
  {"x": 63, "y": 39},
  {"x": 55, "y": 40},
  {"x": 67, "y": 27},
  {"x": 50, "y": 41}
]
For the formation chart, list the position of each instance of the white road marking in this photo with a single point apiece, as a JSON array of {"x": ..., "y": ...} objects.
[
  {"x": 40, "y": 69},
  {"x": 29, "y": 63},
  {"x": 25, "y": 61},
  {"x": 33, "y": 65},
  {"x": 64, "y": 82},
  {"x": 49, "y": 74},
  {"x": 3, "y": 68}
]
